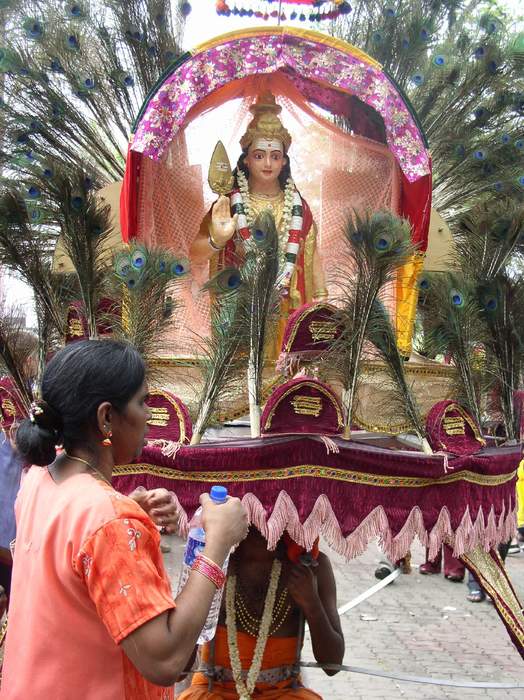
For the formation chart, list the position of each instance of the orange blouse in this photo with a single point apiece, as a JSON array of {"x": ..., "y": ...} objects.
[{"x": 87, "y": 572}]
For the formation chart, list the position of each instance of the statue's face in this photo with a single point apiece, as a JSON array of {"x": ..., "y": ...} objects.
[{"x": 265, "y": 160}]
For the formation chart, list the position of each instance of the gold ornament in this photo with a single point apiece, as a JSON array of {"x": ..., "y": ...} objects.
[
  {"x": 265, "y": 123},
  {"x": 245, "y": 688},
  {"x": 220, "y": 175}
]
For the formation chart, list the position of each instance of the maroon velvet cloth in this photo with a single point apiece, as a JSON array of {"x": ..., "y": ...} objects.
[
  {"x": 300, "y": 334},
  {"x": 170, "y": 418},
  {"x": 444, "y": 423},
  {"x": 287, "y": 409},
  {"x": 350, "y": 500},
  {"x": 11, "y": 406}
]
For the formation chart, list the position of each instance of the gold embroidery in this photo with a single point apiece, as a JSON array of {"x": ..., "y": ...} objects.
[
  {"x": 497, "y": 585},
  {"x": 312, "y": 470},
  {"x": 160, "y": 416},
  {"x": 76, "y": 329},
  {"x": 307, "y": 405},
  {"x": 160, "y": 412},
  {"x": 312, "y": 385},
  {"x": 303, "y": 315},
  {"x": 8, "y": 408},
  {"x": 322, "y": 330},
  {"x": 454, "y": 426}
]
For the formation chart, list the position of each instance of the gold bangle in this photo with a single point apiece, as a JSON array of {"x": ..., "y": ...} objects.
[{"x": 213, "y": 244}]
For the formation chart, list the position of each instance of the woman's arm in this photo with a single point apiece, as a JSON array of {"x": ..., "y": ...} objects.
[
  {"x": 161, "y": 648},
  {"x": 314, "y": 591}
]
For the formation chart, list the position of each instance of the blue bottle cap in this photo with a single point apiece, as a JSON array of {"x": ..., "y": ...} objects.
[{"x": 218, "y": 494}]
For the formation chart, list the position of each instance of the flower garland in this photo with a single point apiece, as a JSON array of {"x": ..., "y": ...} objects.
[
  {"x": 245, "y": 688},
  {"x": 292, "y": 220}
]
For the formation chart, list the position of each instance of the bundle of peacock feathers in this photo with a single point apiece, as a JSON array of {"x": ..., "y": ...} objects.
[
  {"x": 453, "y": 328},
  {"x": 381, "y": 334},
  {"x": 376, "y": 246},
  {"x": 74, "y": 75},
  {"x": 27, "y": 251},
  {"x": 246, "y": 302},
  {"x": 461, "y": 67},
  {"x": 144, "y": 299},
  {"x": 17, "y": 347}
]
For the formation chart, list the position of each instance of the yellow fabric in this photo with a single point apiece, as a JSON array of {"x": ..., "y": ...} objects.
[
  {"x": 407, "y": 295},
  {"x": 520, "y": 495}
]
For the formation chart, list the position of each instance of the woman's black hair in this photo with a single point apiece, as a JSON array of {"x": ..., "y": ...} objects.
[
  {"x": 285, "y": 173},
  {"x": 76, "y": 381}
]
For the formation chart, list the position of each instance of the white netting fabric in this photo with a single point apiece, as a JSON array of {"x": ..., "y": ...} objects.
[{"x": 335, "y": 172}]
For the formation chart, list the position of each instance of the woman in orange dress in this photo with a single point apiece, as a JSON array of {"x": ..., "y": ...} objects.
[
  {"x": 91, "y": 611},
  {"x": 239, "y": 663}
]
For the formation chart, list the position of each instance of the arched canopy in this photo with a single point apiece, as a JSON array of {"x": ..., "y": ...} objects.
[{"x": 324, "y": 69}]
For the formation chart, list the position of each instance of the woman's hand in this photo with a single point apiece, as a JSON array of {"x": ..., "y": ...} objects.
[
  {"x": 302, "y": 586},
  {"x": 224, "y": 523},
  {"x": 222, "y": 225},
  {"x": 159, "y": 505}
]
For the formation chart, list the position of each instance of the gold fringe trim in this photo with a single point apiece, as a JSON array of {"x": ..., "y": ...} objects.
[{"x": 311, "y": 470}]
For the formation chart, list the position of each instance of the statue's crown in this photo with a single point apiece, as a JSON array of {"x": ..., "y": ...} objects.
[{"x": 265, "y": 123}]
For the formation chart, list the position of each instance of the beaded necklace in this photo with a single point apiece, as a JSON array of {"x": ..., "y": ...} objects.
[
  {"x": 292, "y": 221},
  {"x": 245, "y": 688}
]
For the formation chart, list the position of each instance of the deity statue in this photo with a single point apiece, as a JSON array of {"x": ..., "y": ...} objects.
[{"x": 262, "y": 181}]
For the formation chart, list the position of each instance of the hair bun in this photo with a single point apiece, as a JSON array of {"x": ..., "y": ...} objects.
[{"x": 44, "y": 416}]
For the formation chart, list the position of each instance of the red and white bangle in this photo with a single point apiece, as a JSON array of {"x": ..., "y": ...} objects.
[{"x": 210, "y": 570}]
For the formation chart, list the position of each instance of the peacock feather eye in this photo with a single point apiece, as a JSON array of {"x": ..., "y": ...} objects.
[
  {"x": 423, "y": 283},
  {"x": 417, "y": 79},
  {"x": 77, "y": 202},
  {"x": 162, "y": 266},
  {"x": 480, "y": 155},
  {"x": 405, "y": 43},
  {"x": 33, "y": 28},
  {"x": 383, "y": 242},
  {"x": 456, "y": 298},
  {"x": 439, "y": 60},
  {"x": 132, "y": 281},
  {"x": 123, "y": 265},
  {"x": 72, "y": 42},
  {"x": 179, "y": 267},
  {"x": 479, "y": 52},
  {"x": 390, "y": 11},
  {"x": 139, "y": 258},
  {"x": 33, "y": 192},
  {"x": 505, "y": 138}
]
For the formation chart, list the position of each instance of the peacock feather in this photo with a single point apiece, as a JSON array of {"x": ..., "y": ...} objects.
[{"x": 376, "y": 246}]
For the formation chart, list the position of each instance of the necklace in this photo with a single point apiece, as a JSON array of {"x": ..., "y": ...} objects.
[
  {"x": 84, "y": 461},
  {"x": 292, "y": 222},
  {"x": 251, "y": 623},
  {"x": 245, "y": 688}
]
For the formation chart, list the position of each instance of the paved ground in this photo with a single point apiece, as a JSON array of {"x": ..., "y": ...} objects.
[{"x": 420, "y": 625}]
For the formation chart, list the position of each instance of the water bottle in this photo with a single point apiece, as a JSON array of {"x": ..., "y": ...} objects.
[{"x": 195, "y": 544}]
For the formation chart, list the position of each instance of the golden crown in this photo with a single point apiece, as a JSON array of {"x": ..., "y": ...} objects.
[{"x": 265, "y": 123}]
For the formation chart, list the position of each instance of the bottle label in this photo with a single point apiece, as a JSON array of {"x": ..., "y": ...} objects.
[{"x": 193, "y": 549}]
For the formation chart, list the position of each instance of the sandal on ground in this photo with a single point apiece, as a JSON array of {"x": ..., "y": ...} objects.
[
  {"x": 457, "y": 578},
  {"x": 476, "y": 596}
]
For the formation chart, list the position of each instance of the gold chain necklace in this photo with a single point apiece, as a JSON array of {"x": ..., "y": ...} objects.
[
  {"x": 88, "y": 464},
  {"x": 251, "y": 623},
  {"x": 245, "y": 688}
]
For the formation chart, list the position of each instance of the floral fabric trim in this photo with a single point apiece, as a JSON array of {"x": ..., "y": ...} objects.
[{"x": 312, "y": 59}]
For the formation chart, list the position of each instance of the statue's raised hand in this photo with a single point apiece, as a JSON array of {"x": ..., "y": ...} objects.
[{"x": 222, "y": 225}]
